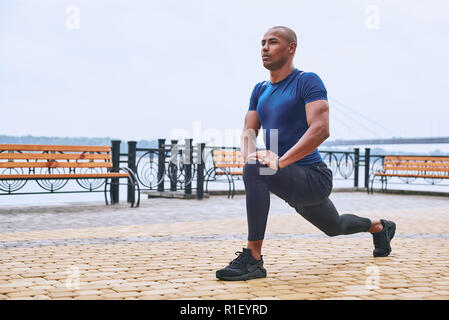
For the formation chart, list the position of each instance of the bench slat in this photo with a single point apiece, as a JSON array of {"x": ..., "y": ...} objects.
[
  {"x": 424, "y": 166},
  {"x": 232, "y": 172},
  {"x": 428, "y": 158},
  {"x": 417, "y": 161},
  {"x": 228, "y": 159},
  {"x": 417, "y": 164},
  {"x": 229, "y": 165},
  {"x": 54, "y": 156},
  {"x": 226, "y": 153},
  {"x": 397, "y": 168},
  {"x": 412, "y": 175},
  {"x": 55, "y": 164},
  {"x": 225, "y": 159},
  {"x": 63, "y": 176},
  {"x": 63, "y": 148}
]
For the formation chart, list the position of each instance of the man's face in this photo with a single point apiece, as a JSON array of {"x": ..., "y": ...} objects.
[{"x": 276, "y": 51}]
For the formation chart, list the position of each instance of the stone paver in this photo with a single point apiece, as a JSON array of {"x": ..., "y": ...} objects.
[{"x": 170, "y": 249}]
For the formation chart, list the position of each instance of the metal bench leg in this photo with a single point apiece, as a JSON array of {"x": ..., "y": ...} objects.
[
  {"x": 384, "y": 183},
  {"x": 230, "y": 185},
  {"x": 233, "y": 187},
  {"x": 106, "y": 191},
  {"x": 135, "y": 186},
  {"x": 206, "y": 179},
  {"x": 138, "y": 192}
]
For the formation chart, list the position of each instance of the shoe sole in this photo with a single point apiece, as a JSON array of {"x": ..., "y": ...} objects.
[
  {"x": 391, "y": 232},
  {"x": 249, "y": 276}
]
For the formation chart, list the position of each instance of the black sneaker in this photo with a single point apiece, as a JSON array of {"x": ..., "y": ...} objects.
[
  {"x": 244, "y": 267},
  {"x": 382, "y": 239}
]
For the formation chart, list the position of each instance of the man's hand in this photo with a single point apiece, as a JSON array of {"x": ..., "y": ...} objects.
[{"x": 266, "y": 157}]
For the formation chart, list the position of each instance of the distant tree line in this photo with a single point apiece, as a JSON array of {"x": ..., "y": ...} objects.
[
  {"x": 106, "y": 141},
  {"x": 76, "y": 141}
]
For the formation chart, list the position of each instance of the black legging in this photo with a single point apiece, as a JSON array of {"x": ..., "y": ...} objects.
[{"x": 305, "y": 188}]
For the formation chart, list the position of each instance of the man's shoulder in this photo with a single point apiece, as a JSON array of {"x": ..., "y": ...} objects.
[
  {"x": 260, "y": 87},
  {"x": 304, "y": 77},
  {"x": 309, "y": 76},
  {"x": 261, "y": 84}
]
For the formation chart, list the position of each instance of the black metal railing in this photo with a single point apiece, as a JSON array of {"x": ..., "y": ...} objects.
[
  {"x": 169, "y": 167},
  {"x": 173, "y": 166},
  {"x": 347, "y": 165}
]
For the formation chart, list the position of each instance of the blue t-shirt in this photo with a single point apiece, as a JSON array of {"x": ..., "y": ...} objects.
[{"x": 281, "y": 106}]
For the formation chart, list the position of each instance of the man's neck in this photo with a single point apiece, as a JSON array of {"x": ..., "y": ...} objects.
[{"x": 282, "y": 73}]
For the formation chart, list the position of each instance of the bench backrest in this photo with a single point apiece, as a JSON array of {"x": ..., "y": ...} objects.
[
  {"x": 232, "y": 161},
  {"x": 54, "y": 156},
  {"x": 427, "y": 164}
]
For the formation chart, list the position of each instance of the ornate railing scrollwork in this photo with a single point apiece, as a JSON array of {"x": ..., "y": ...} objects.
[
  {"x": 147, "y": 169},
  {"x": 10, "y": 186},
  {"x": 91, "y": 184}
]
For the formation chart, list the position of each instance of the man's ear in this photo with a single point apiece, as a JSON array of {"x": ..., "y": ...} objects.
[{"x": 291, "y": 47}]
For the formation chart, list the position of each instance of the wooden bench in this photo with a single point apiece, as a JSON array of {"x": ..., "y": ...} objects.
[
  {"x": 227, "y": 164},
  {"x": 430, "y": 168},
  {"x": 51, "y": 166}
]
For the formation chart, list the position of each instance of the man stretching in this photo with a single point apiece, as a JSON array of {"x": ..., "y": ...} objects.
[{"x": 293, "y": 109}]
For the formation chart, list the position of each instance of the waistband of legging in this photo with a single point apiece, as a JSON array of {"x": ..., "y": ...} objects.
[{"x": 320, "y": 163}]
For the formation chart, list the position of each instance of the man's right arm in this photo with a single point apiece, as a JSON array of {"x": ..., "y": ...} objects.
[{"x": 249, "y": 135}]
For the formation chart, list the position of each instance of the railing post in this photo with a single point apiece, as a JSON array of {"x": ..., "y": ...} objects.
[
  {"x": 115, "y": 156},
  {"x": 161, "y": 165},
  {"x": 174, "y": 165},
  {"x": 367, "y": 165},
  {"x": 132, "y": 145},
  {"x": 356, "y": 166},
  {"x": 200, "y": 172},
  {"x": 188, "y": 166}
]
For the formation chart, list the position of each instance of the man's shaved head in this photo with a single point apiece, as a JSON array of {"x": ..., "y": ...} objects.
[
  {"x": 278, "y": 47},
  {"x": 287, "y": 33}
]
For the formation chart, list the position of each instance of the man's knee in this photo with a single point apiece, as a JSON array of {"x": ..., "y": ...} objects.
[
  {"x": 330, "y": 228},
  {"x": 333, "y": 230}
]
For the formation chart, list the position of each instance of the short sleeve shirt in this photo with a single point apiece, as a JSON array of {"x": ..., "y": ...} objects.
[{"x": 281, "y": 110}]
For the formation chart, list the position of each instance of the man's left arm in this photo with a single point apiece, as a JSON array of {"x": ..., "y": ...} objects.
[{"x": 317, "y": 113}]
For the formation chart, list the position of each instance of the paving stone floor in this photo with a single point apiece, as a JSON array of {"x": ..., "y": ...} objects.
[{"x": 170, "y": 249}]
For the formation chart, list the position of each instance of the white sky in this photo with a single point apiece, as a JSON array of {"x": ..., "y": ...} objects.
[{"x": 145, "y": 69}]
